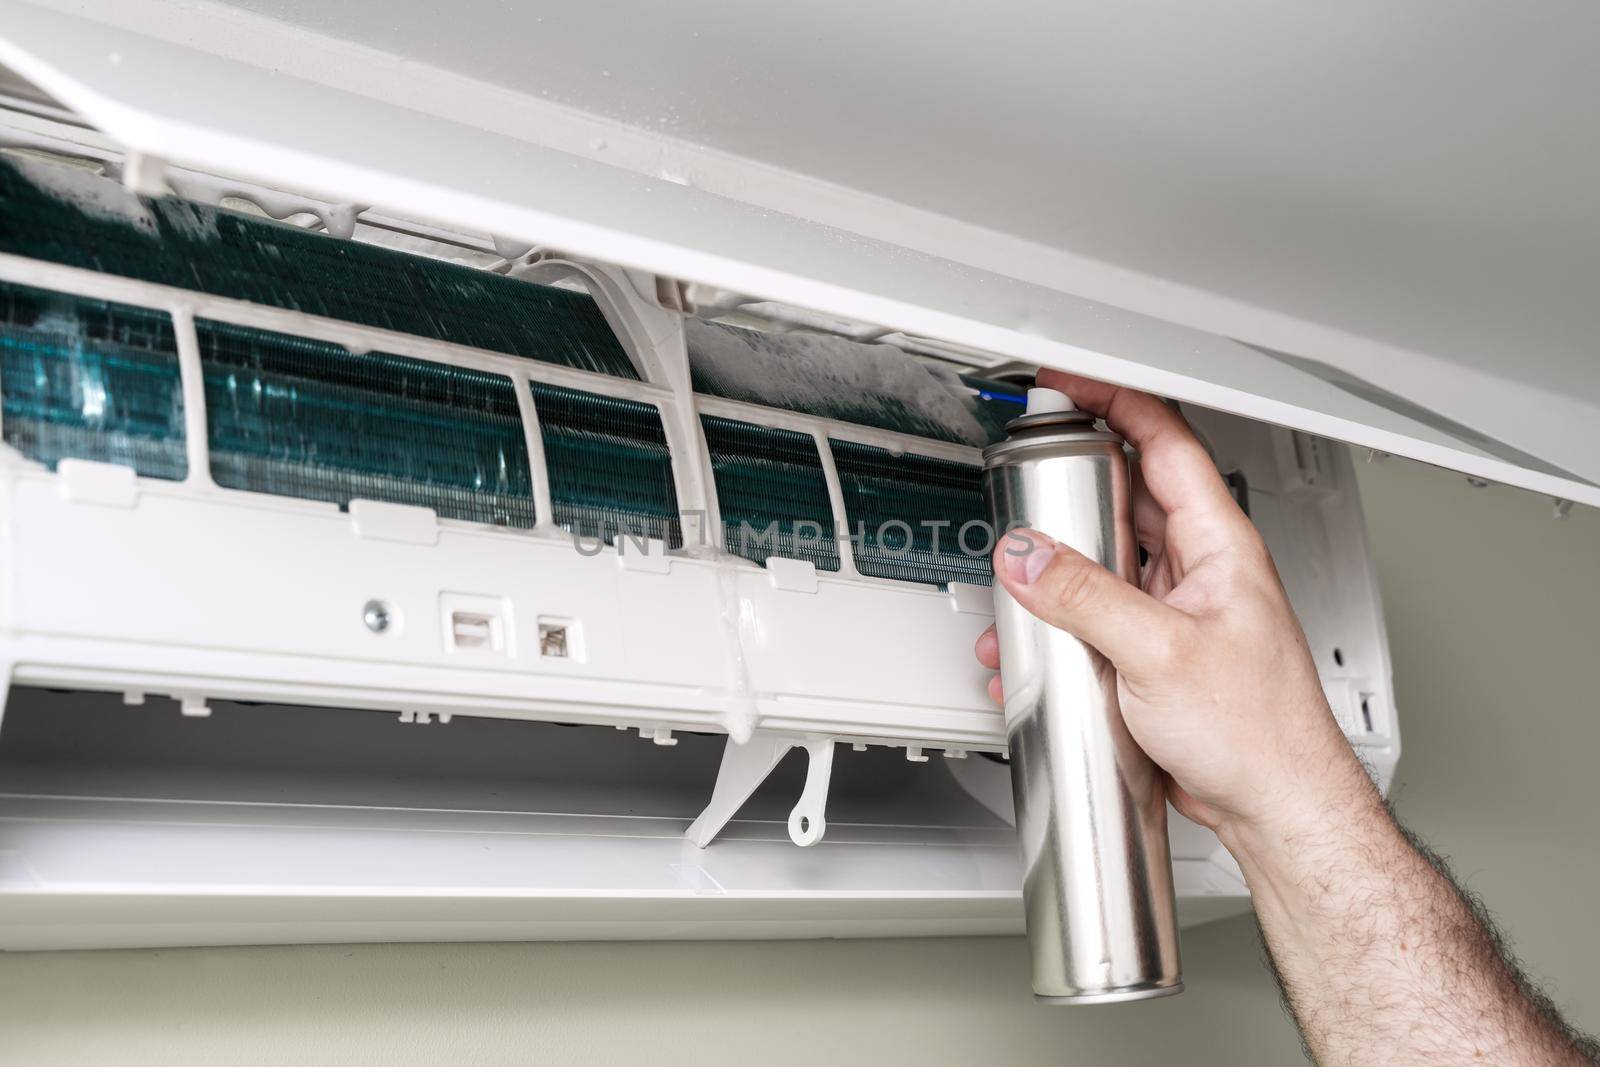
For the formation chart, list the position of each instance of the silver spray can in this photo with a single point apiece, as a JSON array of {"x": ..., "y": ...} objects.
[{"x": 1091, "y": 806}]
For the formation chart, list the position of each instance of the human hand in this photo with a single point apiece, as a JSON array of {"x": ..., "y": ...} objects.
[{"x": 1215, "y": 680}]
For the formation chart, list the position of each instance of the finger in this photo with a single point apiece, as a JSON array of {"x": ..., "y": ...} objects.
[
  {"x": 988, "y": 649},
  {"x": 1158, "y": 580},
  {"x": 996, "y": 693},
  {"x": 1070, "y": 591},
  {"x": 1149, "y": 521},
  {"x": 1177, "y": 469}
]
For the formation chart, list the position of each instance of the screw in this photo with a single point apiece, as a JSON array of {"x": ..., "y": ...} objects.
[{"x": 376, "y": 616}]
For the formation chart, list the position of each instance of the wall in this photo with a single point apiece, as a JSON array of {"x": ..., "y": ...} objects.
[{"x": 1494, "y": 620}]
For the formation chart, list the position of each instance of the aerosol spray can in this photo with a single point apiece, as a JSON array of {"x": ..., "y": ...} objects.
[{"x": 1091, "y": 807}]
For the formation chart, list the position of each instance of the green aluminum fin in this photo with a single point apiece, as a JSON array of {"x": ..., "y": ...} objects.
[
  {"x": 771, "y": 492},
  {"x": 90, "y": 379},
  {"x": 914, "y": 518},
  {"x": 610, "y": 468},
  {"x": 70, "y": 216},
  {"x": 295, "y": 417}
]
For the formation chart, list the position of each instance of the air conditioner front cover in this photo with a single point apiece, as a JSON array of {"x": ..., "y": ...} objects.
[{"x": 197, "y": 108}]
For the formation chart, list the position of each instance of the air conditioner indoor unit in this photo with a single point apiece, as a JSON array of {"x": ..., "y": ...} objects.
[{"x": 545, "y": 552}]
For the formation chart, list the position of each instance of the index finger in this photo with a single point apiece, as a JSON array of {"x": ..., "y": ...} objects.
[{"x": 1177, "y": 469}]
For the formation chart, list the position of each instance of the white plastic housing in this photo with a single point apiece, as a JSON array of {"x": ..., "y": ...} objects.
[
  {"x": 146, "y": 590},
  {"x": 189, "y": 819}
]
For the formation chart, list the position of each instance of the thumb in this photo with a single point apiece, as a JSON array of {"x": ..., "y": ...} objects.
[{"x": 1074, "y": 593}]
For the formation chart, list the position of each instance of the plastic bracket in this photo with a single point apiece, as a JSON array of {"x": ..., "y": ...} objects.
[{"x": 745, "y": 766}]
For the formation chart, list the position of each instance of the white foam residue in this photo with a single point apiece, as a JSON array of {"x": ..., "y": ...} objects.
[
  {"x": 95, "y": 196},
  {"x": 217, "y": 192},
  {"x": 106, "y": 199},
  {"x": 828, "y": 375},
  {"x": 340, "y": 219},
  {"x": 190, "y": 220}
]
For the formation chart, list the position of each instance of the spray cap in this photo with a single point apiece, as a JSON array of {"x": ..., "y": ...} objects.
[
  {"x": 1049, "y": 412},
  {"x": 1042, "y": 401}
]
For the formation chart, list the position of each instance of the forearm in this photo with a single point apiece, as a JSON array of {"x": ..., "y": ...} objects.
[{"x": 1381, "y": 958}]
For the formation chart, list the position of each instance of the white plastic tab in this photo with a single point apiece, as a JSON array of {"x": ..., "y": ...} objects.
[
  {"x": 647, "y": 557},
  {"x": 145, "y": 174},
  {"x": 969, "y": 599},
  {"x": 661, "y": 735},
  {"x": 107, "y": 484},
  {"x": 376, "y": 520},
  {"x": 794, "y": 575}
]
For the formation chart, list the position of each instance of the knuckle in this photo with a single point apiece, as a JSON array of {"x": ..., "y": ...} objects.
[
  {"x": 1253, "y": 549},
  {"x": 1076, "y": 584},
  {"x": 1173, "y": 656}
]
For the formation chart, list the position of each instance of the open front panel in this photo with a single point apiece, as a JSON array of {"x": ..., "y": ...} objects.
[{"x": 882, "y": 271}]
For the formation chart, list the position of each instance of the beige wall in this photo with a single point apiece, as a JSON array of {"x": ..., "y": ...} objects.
[{"x": 1494, "y": 619}]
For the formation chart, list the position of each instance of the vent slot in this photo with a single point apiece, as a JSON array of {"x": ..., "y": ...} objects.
[
  {"x": 89, "y": 379},
  {"x": 560, "y": 638},
  {"x": 907, "y": 513},
  {"x": 771, "y": 492},
  {"x": 80, "y": 219},
  {"x": 475, "y": 631},
  {"x": 610, "y": 468},
  {"x": 295, "y": 417}
]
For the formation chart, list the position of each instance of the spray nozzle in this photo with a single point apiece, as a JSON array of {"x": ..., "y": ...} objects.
[{"x": 1043, "y": 401}]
